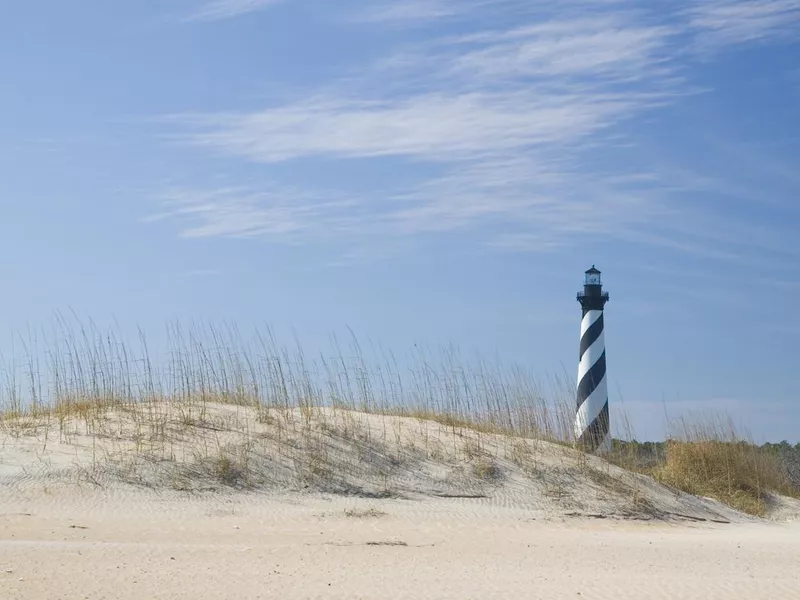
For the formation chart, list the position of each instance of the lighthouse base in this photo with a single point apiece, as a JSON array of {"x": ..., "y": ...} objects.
[
  {"x": 594, "y": 446},
  {"x": 605, "y": 446}
]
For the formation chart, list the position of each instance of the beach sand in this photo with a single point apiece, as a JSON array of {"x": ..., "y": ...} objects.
[
  {"x": 146, "y": 545},
  {"x": 119, "y": 510}
]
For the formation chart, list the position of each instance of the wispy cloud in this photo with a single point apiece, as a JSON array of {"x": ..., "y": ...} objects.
[
  {"x": 595, "y": 47},
  {"x": 410, "y": 11},
  {"x": 725, "y": 22},
  {"x": 225, "y": 9},
  {"x": 503, "y": 117},
  {"x": 275, "y": 211},
  {"x": 437, "y": 126}
]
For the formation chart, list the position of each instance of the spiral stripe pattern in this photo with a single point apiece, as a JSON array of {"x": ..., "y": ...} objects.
[{"x": 591, "y": 419}]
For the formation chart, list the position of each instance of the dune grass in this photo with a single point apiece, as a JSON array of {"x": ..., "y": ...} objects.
[
  {"x": 79, "y": 380},
  {"x": 79, "y": 371},
  {"x": 707, "y": 456}
]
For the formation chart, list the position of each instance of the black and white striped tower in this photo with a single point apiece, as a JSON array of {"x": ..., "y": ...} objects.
[{"x": 591, "y": 419}]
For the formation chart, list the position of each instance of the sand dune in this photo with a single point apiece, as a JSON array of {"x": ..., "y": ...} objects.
[{"x": 221, "y": 501}]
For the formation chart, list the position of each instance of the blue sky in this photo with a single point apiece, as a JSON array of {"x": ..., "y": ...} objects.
[{"x": 436, "y": 172}]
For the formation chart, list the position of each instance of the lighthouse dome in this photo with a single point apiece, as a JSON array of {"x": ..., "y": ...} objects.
[{"x": 592, "y": 277}]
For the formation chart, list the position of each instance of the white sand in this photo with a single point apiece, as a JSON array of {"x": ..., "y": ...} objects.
[
  {"x": 71, "y": 527},
  {"x": 124, "y": 544}
]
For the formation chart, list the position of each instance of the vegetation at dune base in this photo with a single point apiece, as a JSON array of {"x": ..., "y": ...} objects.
[
  {"x": 78, "y": 374},
  {"x": 707, "y": 456}
]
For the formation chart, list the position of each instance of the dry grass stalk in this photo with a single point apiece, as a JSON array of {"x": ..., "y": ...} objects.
[{"x": 309, "y": 412}]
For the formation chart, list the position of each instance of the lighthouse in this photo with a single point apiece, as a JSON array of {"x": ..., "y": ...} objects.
[{"x": 592, "y": 431}]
